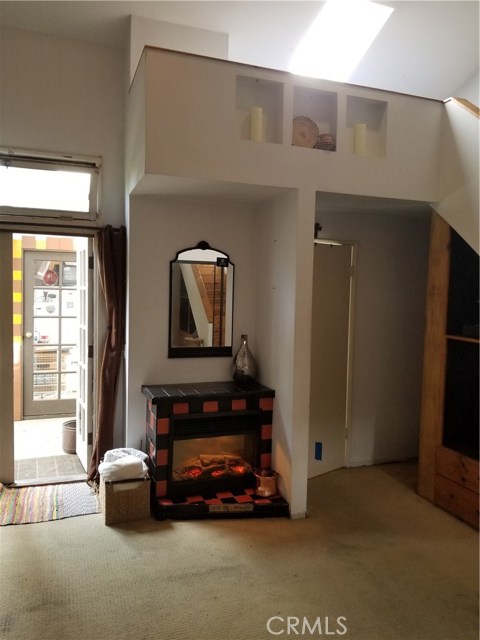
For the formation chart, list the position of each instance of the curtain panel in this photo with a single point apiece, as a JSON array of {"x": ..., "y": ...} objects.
[{"x": 111, "y": 251}]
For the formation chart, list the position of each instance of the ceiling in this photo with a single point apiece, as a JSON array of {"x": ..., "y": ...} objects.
[{"x": 427, "y": 48}]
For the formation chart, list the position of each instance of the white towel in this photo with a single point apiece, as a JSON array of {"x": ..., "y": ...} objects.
[{"x": 124, "y": 468}]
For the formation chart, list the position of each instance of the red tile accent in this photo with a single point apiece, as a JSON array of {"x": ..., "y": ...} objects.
[
  {"x": 266, "y": 432},
  {"x": 266, "y": 404},
  {"x": 162, "y": 457},
  {"x": 266, "y": 460},
  {"x": 263, "y": 501},
  {"x": 249, "y": 491},
  {"x": 165, "y": 501},
  {"x": 210, "y": 406},
  {"x": 180, "y": 407},
  {"x": 243, "y": 498},
  {"x": 161, "y": 488},
  {"x": 213, "y": 501},
  {"x": 163, "y": 425},
  {"x": 239, "y": 404},
  {"x": 195, "y": 499}
]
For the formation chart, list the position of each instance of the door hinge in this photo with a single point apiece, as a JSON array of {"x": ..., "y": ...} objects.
[
  {"x": 90, "y": 438},
  {"x": 90, "y": 262},
  {"x": 90, "y": 350}
]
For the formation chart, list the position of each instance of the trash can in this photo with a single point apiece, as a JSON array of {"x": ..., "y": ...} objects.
[{"x": 69, "y": 436}]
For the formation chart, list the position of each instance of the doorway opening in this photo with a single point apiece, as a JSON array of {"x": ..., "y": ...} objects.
[
  {"x": 52, "y": 330},
  {"x": 331, "y": 355}
]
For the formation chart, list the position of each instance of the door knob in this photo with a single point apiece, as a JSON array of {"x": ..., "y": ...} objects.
[{"x": 29, "y": 334}]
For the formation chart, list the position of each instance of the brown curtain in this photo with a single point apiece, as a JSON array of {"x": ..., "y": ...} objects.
[{"x": 111, "y": 250}]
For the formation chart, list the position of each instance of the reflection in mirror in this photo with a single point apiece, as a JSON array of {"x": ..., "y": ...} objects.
[{"x": 201, "y": 303}]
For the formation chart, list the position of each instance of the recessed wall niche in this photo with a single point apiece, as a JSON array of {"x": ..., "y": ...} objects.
[
  {"x": 259, "y": 109},
  {"x": 320, "y": 107},
  {"x": 366, "y": 131}
]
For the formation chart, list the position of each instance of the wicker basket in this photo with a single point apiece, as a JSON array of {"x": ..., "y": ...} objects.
[
  {"x": 305, "y": 132},
  {"x": 125, "y": 500}
]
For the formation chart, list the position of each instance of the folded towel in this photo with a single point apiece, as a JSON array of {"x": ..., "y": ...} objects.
[
  {"x": 124, "y": 468},
  {"x": 115, "y": 454}
]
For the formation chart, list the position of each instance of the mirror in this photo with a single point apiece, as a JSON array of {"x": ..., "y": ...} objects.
[{"x": 201, "y": 303}]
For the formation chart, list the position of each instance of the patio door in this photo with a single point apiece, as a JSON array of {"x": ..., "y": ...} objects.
[
  {"x": 84, "y": 405},
  {"x": 51, "y": 330}
]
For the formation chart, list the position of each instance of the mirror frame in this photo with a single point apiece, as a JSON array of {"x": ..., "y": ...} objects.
[{"x": 199, "y": 352}]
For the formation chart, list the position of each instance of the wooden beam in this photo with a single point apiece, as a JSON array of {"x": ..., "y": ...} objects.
[{"x": 435, "y": 354}]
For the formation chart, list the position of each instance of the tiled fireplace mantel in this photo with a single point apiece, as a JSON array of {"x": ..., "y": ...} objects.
[{"x": 203, "y": 412}]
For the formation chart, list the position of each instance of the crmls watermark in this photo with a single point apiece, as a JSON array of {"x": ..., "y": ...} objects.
[{"x": 291, "y": 625}]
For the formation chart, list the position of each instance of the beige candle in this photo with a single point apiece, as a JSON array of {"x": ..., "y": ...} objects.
[
  {"x": 360, "y": 138},
  {"x": 257, "y": 128}
]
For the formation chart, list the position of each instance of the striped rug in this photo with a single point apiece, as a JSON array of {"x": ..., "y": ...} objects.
[{"x": 26, "y": 505}]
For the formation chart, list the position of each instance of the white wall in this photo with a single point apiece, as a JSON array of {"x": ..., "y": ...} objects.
[
  {"x": 392, "y": 261},
  {"x": 156, "y": 33},
  {"x": 470, "y": 90},
  {"x": 158, "y": 229},
  {"x": 459, "y": 173},
  {"x": 271, "y": 304},
  {"x": 285, "y": 262},
  {"x": 66, "y": 96}
]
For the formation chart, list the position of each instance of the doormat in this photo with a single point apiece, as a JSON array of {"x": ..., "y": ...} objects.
[{"x": 42, "y": 503}]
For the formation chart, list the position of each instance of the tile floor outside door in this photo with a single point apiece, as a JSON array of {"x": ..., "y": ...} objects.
[{"x": 39, "y": 454}]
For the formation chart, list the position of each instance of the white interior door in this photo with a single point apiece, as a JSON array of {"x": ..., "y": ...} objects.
[
  {"x": 84, "y": 412},
  {"x": 329, "y": 358}
]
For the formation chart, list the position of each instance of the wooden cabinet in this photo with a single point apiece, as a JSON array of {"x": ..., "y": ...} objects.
[{"x": 449, "y": 436}]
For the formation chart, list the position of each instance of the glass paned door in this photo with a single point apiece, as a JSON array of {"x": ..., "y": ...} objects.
[{"x": 50, "y": 345}]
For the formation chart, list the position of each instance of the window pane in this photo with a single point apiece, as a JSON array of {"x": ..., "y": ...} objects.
[
  {"x": 69, "y": 303},
  {"x": 68, "y": 386},
  {"x": 45, "y": 330},
  {"x": 45, "y": 386},
  {"x": 70, "y": 358},
  {"x": 45, "y": 359},
  {"x": 41, "y": 189},
  {"x": 69, "y": 330},
  {"x": 69, "y": 275},
  {"x": 46, "y": 273},
  {"x": 45, "y": 302}
]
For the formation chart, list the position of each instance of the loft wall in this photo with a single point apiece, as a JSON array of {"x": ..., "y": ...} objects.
[{"x": 156, "y": 33}]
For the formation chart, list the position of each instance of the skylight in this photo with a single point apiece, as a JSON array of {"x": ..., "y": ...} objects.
[{"x": 338, "y": 39}]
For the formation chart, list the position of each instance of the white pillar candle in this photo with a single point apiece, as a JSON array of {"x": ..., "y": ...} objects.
[
  {"x": 360, "y": 138},
  {"x": 257, "y": 129}
]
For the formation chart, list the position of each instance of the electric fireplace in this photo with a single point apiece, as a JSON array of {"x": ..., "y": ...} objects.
[{"x": 204, "y": 443}]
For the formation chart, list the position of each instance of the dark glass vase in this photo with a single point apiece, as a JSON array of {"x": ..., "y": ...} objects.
[{"x": 244, "y": 367}]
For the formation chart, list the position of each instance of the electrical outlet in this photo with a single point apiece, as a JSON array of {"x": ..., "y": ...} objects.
[{"x": 318, "y": 450}]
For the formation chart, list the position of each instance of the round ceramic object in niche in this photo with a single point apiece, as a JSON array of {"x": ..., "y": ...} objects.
[{"x": 305, "y": 132}]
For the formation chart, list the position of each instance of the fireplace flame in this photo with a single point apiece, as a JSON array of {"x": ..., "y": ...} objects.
[{"x": 207, "y": 467}]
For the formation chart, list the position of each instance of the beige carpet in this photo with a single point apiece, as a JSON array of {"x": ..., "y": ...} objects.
[{"x": 371, "y": 551}]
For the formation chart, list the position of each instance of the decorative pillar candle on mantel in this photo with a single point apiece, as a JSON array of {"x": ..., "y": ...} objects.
[
  {"x": 360, "y": 138},
  {"x": 257, "y": 124}
]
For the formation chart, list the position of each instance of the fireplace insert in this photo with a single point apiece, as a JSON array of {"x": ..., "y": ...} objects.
[{"x": 212, "y": 453}]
